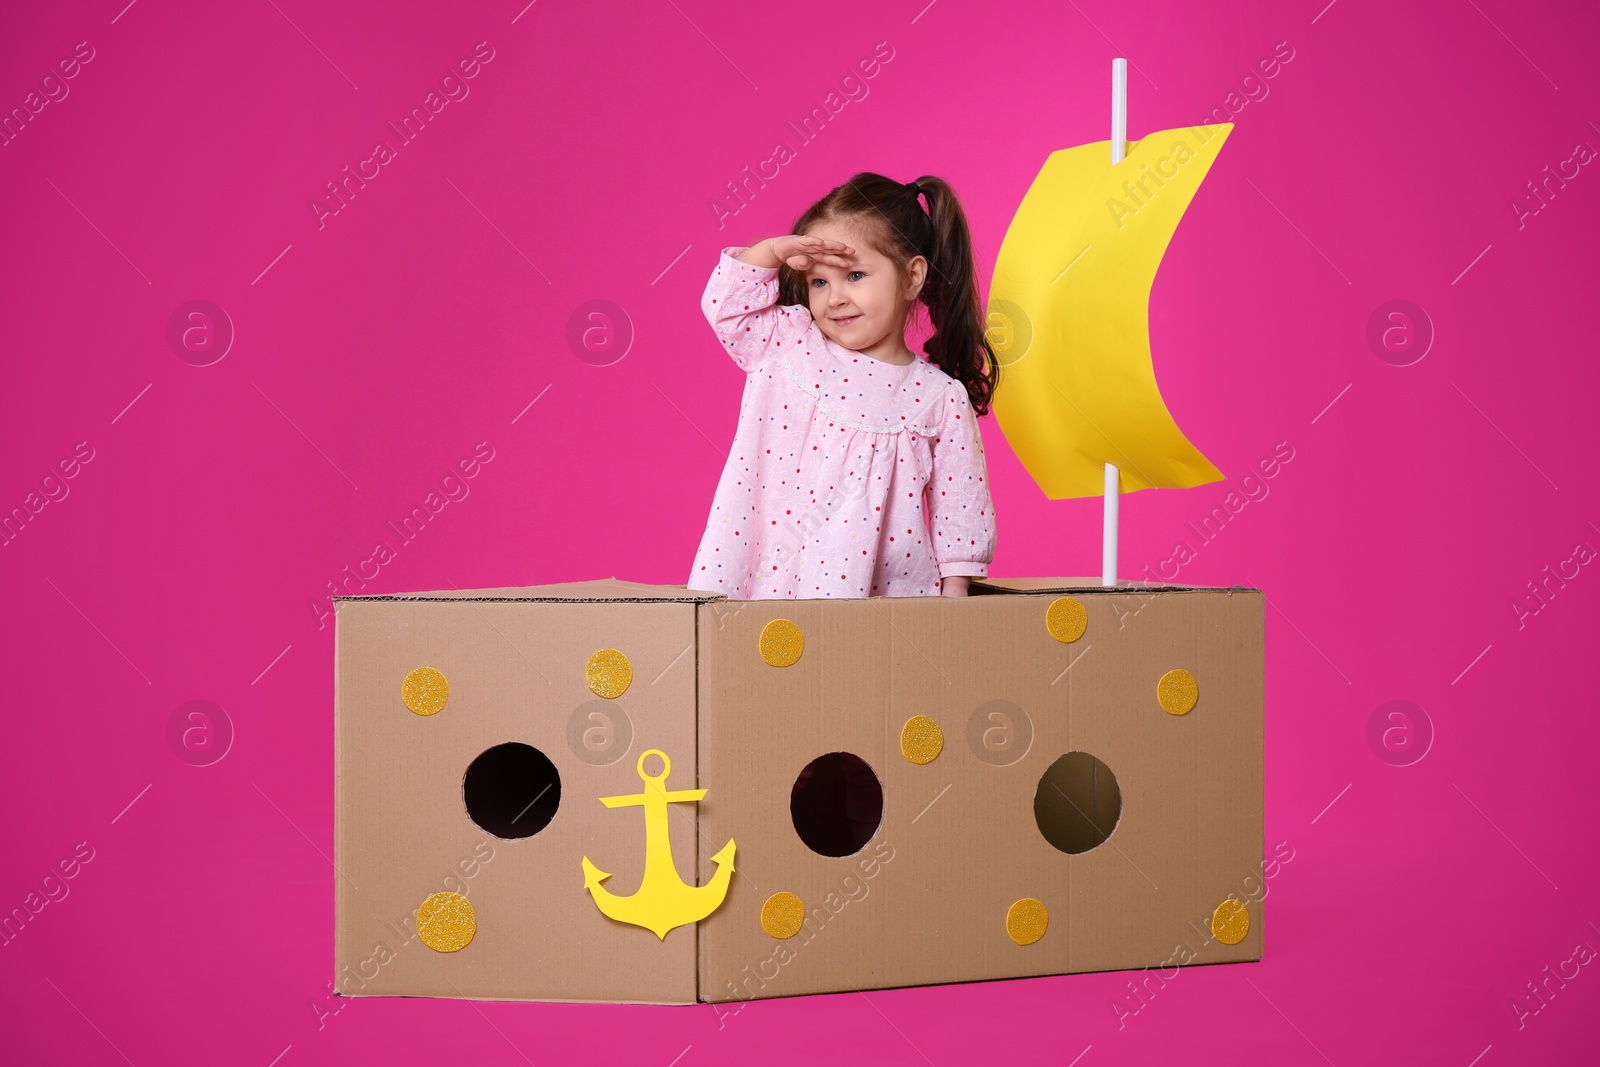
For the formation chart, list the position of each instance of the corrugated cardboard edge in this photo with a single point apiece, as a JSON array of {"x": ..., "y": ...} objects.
[
  {"x": 338, "y": 802},
  {"x": 699, "y": 975},
  {"x": 985, "y": 586},
  {"x": 598, "y": 590},
  {"x": 603, "y": 590}
]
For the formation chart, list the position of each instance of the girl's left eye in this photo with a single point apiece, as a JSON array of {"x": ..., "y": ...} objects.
[{"x": 860, "y": 272}]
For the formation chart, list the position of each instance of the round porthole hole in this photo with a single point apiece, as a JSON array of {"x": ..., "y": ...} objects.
[
  {"x": 836, "y": 804},
  {"x": 512, "y": 790},
  {"x": 1078, "y": 803}
]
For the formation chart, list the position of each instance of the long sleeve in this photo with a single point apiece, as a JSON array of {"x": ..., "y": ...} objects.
[
  {"x": 740, "y": 302},
  {"x": 960, "y": 510}
]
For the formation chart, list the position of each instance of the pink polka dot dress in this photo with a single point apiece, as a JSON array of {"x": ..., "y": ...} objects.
[{"x": 848, "y": 477}]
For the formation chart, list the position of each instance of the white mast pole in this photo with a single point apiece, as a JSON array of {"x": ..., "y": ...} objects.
[{"x": 1119, "y": 149}]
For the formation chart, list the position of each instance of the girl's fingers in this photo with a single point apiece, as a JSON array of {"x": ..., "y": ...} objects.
[
  {"x": 815, "y": 250},
  {"x": 823, "y": 244},
  {"x": 806, "y": 262}
]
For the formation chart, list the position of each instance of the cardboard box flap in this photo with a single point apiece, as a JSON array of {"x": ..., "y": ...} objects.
[
  {"x": 598, "y": 590},
  {"x": 1080, "y": 585}
]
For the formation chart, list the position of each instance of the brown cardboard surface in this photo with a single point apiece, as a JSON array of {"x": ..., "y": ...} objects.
[
  {"x": 923, "y": 902},
  {"x": 959, "y": 843},
  {"x": 516, "y": 672}
]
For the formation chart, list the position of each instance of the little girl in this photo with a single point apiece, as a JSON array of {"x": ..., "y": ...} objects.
[{"x": 857, "y": 469}]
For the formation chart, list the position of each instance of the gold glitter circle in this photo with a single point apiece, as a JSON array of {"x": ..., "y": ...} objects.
[
  {"x": 1230, "y": 922},
  {"x": 921, "y": 739},
  {"x": 782, "y": 915},
  {"x": 446, "y": 922},
  {"x": 425, "y": 691},
  {"x": 781, "y": 642},
  {"x": 1066, "y": 619},
  {"x": 1177, "y": 691},
  {"x": 1026, "y": 920},
  {"x": 609, "y": 673}
]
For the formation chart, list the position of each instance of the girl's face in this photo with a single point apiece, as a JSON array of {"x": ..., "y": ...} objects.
[{"x": 862, "y": 307}]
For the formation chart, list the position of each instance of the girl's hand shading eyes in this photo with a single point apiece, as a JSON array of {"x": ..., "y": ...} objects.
[{"x": 802, "y": 253}]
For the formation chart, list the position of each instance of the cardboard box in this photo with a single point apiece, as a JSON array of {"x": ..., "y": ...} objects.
[{"x": 906, "y": 873}]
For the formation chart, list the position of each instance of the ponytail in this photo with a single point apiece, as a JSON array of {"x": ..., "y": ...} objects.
[{"x": 958, "y": 345}]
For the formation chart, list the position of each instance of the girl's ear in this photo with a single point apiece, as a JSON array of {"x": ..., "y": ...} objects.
[{"x": 917, "y": 269}]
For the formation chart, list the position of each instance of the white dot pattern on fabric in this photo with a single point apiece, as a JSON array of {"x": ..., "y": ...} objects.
[{"x": 848, "y": 477}]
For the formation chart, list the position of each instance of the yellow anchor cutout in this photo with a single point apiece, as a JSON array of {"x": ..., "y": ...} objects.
[{"x": 662, "y": 902}]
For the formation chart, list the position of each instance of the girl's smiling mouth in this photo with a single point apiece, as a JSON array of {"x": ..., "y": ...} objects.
[{"x": 845, "y": 321}]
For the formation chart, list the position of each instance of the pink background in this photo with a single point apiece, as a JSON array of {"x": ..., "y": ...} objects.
[{"x": 187, "y": 556}]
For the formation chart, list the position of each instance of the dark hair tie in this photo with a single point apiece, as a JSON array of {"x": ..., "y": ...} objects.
[{"x": 916, "y": 190}]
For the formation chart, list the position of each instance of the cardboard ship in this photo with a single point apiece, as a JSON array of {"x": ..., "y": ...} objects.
[{"x": 614, "y": 792}]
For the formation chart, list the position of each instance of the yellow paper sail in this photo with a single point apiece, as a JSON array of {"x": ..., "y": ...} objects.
[{"x": 1068, "y": 315}]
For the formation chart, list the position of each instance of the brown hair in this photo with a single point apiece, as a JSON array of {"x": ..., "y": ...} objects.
[{"x": 892, "y": 216}]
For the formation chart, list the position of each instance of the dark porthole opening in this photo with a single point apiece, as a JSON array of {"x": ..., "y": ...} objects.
[
  {"x": 512, "y": 790},
  {"x": 1078, "y": 803},
  {"x": 836, "y": 804}
]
